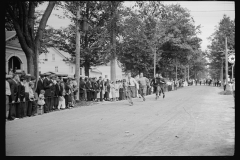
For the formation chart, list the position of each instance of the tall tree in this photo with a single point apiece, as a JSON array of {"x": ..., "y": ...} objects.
[
  {"x": 226, "y": 27},
  {"x": 21, "y": 15}
]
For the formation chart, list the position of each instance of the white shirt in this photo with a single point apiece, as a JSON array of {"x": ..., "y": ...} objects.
[
  {"x": 26, "y": 85},
  {"x": 8, "y": 90},
  {"x": 131, "y": 82}
]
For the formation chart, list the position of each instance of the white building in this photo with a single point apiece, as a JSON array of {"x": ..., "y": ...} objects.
[
  {"x": 14, "y": 55},
  {"x": 55, "y": 61}
]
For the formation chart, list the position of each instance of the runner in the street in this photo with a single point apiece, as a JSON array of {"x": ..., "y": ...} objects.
[
  {"x": 162, "y": 82},
  {"x": 143, "y": 81},
  {"x": 131, "y": 83},
  {"x": 158, "y": 82}
]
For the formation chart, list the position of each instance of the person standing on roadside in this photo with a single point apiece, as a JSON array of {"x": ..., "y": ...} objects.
[
  {"x": 47, "y": 85},
  {"x": 8, "y": 93},
  {"x": 131, "y": 83},
  {"x": 14, "y": 97},
  {"x": 143, "y": 81}
]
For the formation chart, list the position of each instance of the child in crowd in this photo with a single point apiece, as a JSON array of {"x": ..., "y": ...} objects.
[{"x": 41, "y": 101}]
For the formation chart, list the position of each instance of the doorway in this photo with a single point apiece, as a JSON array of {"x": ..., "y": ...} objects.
[{"x": 14, "y": 63}]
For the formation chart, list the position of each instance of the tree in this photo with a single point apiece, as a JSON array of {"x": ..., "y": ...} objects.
[
  {"x": 21, "y": 16},
  {"x": 226, "y": 27},
  {"x": 95, "y": 43}
]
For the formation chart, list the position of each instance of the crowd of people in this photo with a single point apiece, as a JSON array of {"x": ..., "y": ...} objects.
[{"x": 54, "y": 93}]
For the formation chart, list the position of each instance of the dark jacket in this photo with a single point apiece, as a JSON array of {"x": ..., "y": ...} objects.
[
  {"x": 57, "y": 90},
  {"x": 21, "y": 91},
  {"x": 88, "y": 86},
  {"x": 14, "y": 90},
  {"x": 46, "y": 86},
  {"x": 39, "y": 86},
  {"x": 100, "y": 84},
  {"x": 52, "y": 88},
  {"x": 82, "y": 86}
]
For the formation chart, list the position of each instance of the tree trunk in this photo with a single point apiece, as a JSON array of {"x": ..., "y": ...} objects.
[
  {"x": 113, "y": 43},
  {"x": 30, "y": 65},
  {"x": 86, "y": 68}
]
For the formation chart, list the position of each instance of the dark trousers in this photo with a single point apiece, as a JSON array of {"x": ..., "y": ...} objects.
[
  {"x": 47, "y": 104},
  {"x": 106, "y": 95},
  {"x": 7, "y": 106},
  {"x": 51, "y": 103},
  {"x": 25, "y": 108},
  {"x": 101, "y": 95},
  {"x": 12, "y": 110},
  {"x": 32, "y": 108},
  {"x": 66, "y": 100},
  {"x": 224, "y": 87},
  {"x": 89, "y": 96},
  {"x": 20, "y": 108},
  {"x": 56, "y": 100},
  {"x": 120, "y": 94}
]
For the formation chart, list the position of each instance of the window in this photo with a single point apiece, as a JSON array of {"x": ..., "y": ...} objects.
[
  {"x": 71, "y": 69},
  {"x": 53, "y": 57},
  {"x": 56, "y": 68}
]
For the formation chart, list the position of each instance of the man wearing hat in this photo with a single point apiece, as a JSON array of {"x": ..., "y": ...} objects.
[
  {"x": 21, "y": 95},
  {"x": 46, "y": 85},
  {"x": 52, "y": 88},
  {"x": 57, "y": 92},
  {"x": 101, "y": 85},
  {"x": 14, "y": 96},
  {"x": 8, "y": 93},
  {"x": 88, "y": 88},
  {"x": 40, "y": 84}
]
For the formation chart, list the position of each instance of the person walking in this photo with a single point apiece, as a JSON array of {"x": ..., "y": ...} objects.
[
  {"x": 131, "y": 83},
  {"x": 143, "y": 81}
]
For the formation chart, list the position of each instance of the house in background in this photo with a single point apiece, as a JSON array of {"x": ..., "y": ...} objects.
[
  {"x": 14, "y": 55},
  {"x": 55, "y": 61},
  {"x": 106, "y": 71}
]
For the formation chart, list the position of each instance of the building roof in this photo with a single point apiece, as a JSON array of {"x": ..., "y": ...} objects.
[
  {"x": 64, "y": 54},
  {"x": 9, "y": 34},
  {"x": 96, "y": 70}
]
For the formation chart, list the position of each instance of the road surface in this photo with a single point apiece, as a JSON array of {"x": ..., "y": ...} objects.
[{"x": 192, "y": 121}]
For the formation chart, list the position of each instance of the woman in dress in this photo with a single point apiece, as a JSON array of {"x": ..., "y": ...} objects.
[
  {"x": 112, "y": 95},
  {"x": 117, "y": 90}
]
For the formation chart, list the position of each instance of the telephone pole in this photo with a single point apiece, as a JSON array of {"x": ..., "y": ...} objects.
[
  {"x": 77, "y": 52},
  {"x": 226, "y": 62}
]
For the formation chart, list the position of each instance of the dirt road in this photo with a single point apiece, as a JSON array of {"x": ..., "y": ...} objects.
[{"x": 192, "y": 121}]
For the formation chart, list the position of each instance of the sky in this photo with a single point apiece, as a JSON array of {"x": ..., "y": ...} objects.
[{"x": 205, "y": 13}]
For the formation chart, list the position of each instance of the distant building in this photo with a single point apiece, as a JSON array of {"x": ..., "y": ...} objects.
[
  {"x": 14, "y": 55},
  {"x": 106, "y": 71},
  {"x": 53, "y": 61},
  {"x": 56, "y": 61}
]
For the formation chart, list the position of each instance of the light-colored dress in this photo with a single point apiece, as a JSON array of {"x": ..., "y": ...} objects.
[
  {"x": 41, "y": 101},
  {"x": 117, "y": 90},
  {"x": 112, "y": 91}
]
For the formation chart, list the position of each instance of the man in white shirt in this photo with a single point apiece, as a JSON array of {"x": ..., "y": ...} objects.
[{"x": 131, "y": 83}]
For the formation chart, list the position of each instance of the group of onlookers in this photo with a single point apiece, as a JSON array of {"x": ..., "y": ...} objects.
[
  {"x": 51, "y": 93},
  {"x": 25, "y": 97}
]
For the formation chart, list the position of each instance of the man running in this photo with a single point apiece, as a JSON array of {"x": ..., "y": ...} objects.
[
  {"x": 131, "y": 83},
  {"x": 158, "y": 82},
  {"x": 143, "y": 81}
]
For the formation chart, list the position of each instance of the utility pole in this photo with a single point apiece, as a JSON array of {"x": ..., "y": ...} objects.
[
  {"x": 77, "y": 51},
  {"x": 221, "y": 75},
  {"x": 226, "y": 62},
  {"x": 154, "y": 62}
]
